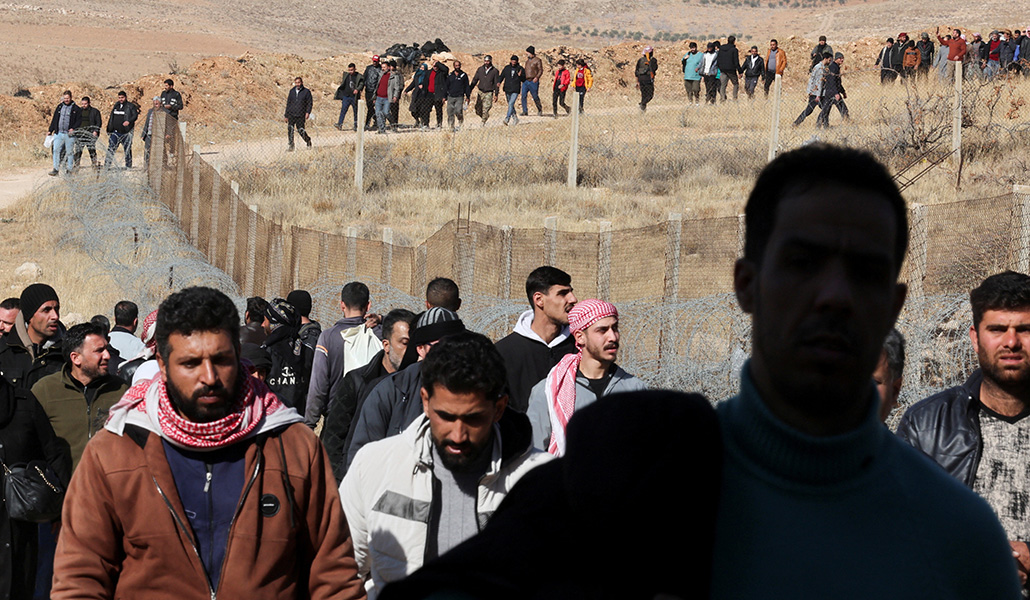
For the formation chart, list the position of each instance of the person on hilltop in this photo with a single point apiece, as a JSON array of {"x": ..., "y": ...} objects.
[
  {"x": 692, "y": 74},
  {"x": 511, "y": 79},
  {"x": 583, "y": 80},
  {"x": 349, "y": 94},
  {"x": 775, "y": 64},
  {"x": 833, "y": 92},
  {"x": 710, "y": 72},
  {"x": 486, "y": 82},
  {"x": 531, "y": 86},
  {"x": 458, "y": 96},
  {"x": 421, "y": 98},
  {"x": 926, "y": 55},
  {"x": 753, "y": 69},
  {"x": 87, "y": 132},
  {"x": 728, "y": 62},
  {"x": 148, "y": 129},
  {"x": 885, "y": 60},
  {"x": 119, "y": 129},
  {"x": 562, "y": 80},
  {"x": 816, "y": 55},
  {"x": 910, "y": 56},
  {"x": 438, "y": 90},
  {"x": 816, "y": 89},
  {"x": 395, "y": 90},
  {"x": 298, "y": 110},
  {"x": 647, "y": 66},
  {"x": 66, "y": 118},
  {"x": 371, "y": 76},
  {"x": 956, "y": 52}
]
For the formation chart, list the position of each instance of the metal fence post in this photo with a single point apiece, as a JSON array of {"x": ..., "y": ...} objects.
[
  {"x": 195, "y": 204},
  {"x": 359, "y": 150},
  {"x": 774, "y": 126},
  {"x": 574, "y": 143},
  {"x": 956, "y": 123}
]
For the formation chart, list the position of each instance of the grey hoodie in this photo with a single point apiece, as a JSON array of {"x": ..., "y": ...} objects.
[{"x": 327, "y": 369}]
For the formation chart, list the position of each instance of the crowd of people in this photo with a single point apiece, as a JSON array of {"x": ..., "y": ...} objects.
[{"x": 184, "y": 445}]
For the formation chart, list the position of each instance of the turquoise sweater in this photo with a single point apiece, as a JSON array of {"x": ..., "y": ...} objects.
[{"x": 859, "y": 515}]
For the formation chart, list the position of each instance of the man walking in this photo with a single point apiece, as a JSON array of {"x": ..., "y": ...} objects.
[
  {"x": 372, "y": 74},
  {"x": 885, "y": 60},
  {"x": 204, "y": 472},
  {"x": 753, "y": 68},
  {"x": 62, "y": 126},
  {"x": 645, "y": 71},
  {"x": 580, "y": 379},
  {"x": 438, "y": 90},
  {"x": 816, "y": 89},
  {"x": 775, "y": 64},
  {"x": 33, "y": 349},
  {"x": 382, "y": 102},
  {"x": 562, "y": 79},
  {"x": 512, "y": 78},
  {"x": 123, "y": 334},
  {"x": 485, "y": 82},
  {"x": 458, "y": 93},
  {"x": 541, "y": 335},
  {"x": 454, "y": 464},
  {"x": 691, "y": 62},
  {"x": 119, "y": 129},
  {"x": 394, "y": 90},
  {"x": 531, "y": 86},
  {"x": 290, "y": 372},
  {"x": 87, "y": 132},
  {"x": 583, "y": 80},
  {"x": 728, "y": 62},
  {"x": 298, "y": 109},
  {"x": 349, "y": 94},
  {"x": 926, "y": 55},
  {"x": 833, "y": 93}
]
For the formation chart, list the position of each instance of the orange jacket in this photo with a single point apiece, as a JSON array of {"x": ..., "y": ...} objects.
[
  {"x": 781, "y": 60},
  {"x": 125, "y": 533}
]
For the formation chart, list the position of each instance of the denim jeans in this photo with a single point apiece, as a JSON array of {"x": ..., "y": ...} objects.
[
  {"x": 125, "y": 139},
  {"x": 512, "y": 113},
  {"x": 382, "y": 112},
  {"x": 64, "y": 141},
  {"x": 530, "y": 88},
  {"x": 345, "y": 105}
]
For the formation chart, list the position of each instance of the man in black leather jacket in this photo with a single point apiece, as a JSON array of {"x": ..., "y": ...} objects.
[{"x": 979, "y": 431}]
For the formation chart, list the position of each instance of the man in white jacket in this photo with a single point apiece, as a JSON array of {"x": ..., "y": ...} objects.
[{"x": 414, "y": 496}]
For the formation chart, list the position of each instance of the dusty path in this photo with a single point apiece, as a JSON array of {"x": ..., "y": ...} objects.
[{"x": 18, "y": 183}]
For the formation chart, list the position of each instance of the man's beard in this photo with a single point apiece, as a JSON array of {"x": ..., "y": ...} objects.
[
  {"x": 1011, "y": 380},
  {"x": 191, "y": 409},
  {"x": 459, "y": 462},
  {"x": 93, "y": 373}
]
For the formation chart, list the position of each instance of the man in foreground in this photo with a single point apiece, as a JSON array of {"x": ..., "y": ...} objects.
[
  {"x": 454, "y": 464},
  {"x": 32, "y": 350},
  {"x": 203, "y": 483},
  {"x": 977, "y": 431}
]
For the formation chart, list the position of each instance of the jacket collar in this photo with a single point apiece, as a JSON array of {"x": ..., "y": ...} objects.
[{"x": 23, "y": 341}]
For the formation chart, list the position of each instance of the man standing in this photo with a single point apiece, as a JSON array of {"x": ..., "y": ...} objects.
[
  {"x": 753, "y": 68},
  {"x": 337, "y": 431},
  {"x": 579, "y": 379},
  {"x": 372, "y": 74},
  {"x": 775, "y": 64},
  {"x": 329, "y": 364},
  {"x": 541, "y": 336},
  {"x": 833, "y": 92},
  {"x": 458, "y": 96},
  {"x": 512, "y": 78},
  {"x": 204, "y": 472},
  {"x": 33, "y": 348},
  {"x": 926, "y": 55},
  {"x": 87, "y": 132},
  {"x": 885, "y": 60},
  {"x": 453, "y": 465},
  {"x": 9, "y": 310},
  {"x": 77, "y": 398},
  {"x": 148, "y": 129},
  {"x": 485, "y": 82},
  {"x": 531, "y": 86},
  {"x": 309, "y": 329},
  {"x": 253, "y": 331},
  {"x": 816, "y": 89},
  {"x": 119, "y": 129},
  {"x": 123, "y": 334},
  {"x": 977, "y": 431},
  {"x": 817, "y": 52},
  {"x": 171, "y": 99},
  {"x": 298, "y": 109},
  {"x": 956, "y": 52},
  {"x": 349, "y": 94},
  {"x": 645, "y": 71},
  {"x": 910, "y": 56},
  {"x": 562, "y": 79},
  {"x": 728, "y": 62},
  {"x": 395, "y": 89},
  {"x": 582, "y": 81},
  {"x": 691, "y": 62},
  {"x": 382, "y": 101},
  {"x": 438, "y": 90},
  {"x": 62, "y": 127}
]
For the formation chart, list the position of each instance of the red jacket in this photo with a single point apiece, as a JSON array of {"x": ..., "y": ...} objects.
[
  {"x": 122, "y": 534},
  {"x": 562, "y": 79},
  {"x": 956, "y": 47}
]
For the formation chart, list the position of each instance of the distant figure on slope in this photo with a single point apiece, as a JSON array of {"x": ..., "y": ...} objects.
[{"x": 298, "y": 110}]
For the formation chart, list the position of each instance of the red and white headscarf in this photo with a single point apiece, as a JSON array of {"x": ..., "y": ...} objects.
[
  {"x": 561, "y": 380},
  {"x": 147, "y": 405}
]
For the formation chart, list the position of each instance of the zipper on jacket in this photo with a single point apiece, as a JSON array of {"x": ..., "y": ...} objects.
[
  {"x": 210, "y": 508},
  {"x": 187, "y": 532},
  {"x": 239, "y": 506}
]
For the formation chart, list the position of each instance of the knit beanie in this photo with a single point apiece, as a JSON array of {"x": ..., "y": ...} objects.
[
  {"x": 281, "y": 312},
  {"x": 34, "y": 296},
  {"x": 301, "y": 300},
  {"x": 434, "y": 324}
]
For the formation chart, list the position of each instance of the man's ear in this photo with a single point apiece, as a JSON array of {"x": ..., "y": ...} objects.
[
  {"x": 162, "y": 366},
  {"x": 502, "y": 404},
  {"x": 745, "y": 277},
  {"x": 425, "y": 400},
  {"x": 974, "y": 337}
]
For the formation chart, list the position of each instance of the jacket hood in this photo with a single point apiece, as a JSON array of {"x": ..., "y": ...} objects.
[
  {"x": 524, "y": 327},
  {"x": 23, "y": 341}
]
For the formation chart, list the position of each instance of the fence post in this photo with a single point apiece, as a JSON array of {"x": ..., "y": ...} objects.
[
  {"x": 359, "y": 150},
  {"x": 388, "y": 256},
  {"x": 574, "y": 142},
  {"x": 157, "y": 153},
  {"x": 232, "y": 236},
  {"x": 251, "y": 249},
  {"x": 506, "y": 258},
  {"x": 741, "y": 233},
  {"x": 295, "y": 259},
  {"x": 180, "y": 167},
  {"x": 956, "y": 123},
  {"x": 774, "y": 127},
  {"x": 213, "y": 207},
  {"x": 917, "y": 251},
  {"x": 550, "y": 240},
  {"x": 323, "y": 256},
  {"x": 352, "y": 251},
  {"x": 421, "y": 276},
  {"x": 465, "y": 260},
  {"x": 672, "y": 257},
  {"x": 604, "y": 260},
  {"x": 1021, "y": 210},
  {"x": 195, "y": 204}
]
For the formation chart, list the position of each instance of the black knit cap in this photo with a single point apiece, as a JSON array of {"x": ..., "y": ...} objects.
[
  {"x": 281, "y": 312},
  {"x": 430, "y": 326},
  {"x": 301, "y": 300},
  {"x": 34, "y": 296}
]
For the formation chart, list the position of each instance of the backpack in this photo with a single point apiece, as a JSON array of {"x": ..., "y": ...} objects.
[
  {"x": 643, "y": 67},
  {"x": 360, "y": 345}
]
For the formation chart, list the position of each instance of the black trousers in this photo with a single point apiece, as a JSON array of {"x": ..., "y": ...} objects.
[
  {"x": 769, "y": 78},
  {"x": 813, "y": 102},
  {"x": 558, "y": 97},
  {"x": 438, "y": 104},
  {"x": 298, "y": 124},
  {"x": 370, "y": 107},
  {"x": 711, "y": 88},
  {"x": 646, "y": 93}
]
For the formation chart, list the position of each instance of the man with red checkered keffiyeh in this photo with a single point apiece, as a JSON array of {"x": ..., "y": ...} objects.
[{"x": 579, "y": 379}]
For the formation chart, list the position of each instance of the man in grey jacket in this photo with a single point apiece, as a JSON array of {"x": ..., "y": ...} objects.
[
  {"x": 816, "y": 88},
  {"x": 578, "y": 380}
]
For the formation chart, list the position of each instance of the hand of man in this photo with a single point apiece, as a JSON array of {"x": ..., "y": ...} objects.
[
  {"x": 307, "y": 116},
  {"x": 286, "y": 119},
  {"x": 125, "y": 124},
  {"x": 1021, "y": 553},
  {"x": 372, "y": 319}
]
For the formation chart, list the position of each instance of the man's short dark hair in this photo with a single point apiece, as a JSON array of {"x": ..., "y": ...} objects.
[
  {"x": 812, "y": 165},
  {"x": 822, "y": 38},
  {"x": 894, "y": 350},
  {"x": 75, "y": 337},
  {"x": 397, "y": 315},
  {"x": 443, "y": 292},
  {"x": 104, "y": 323},
  {"x": 773, "y": 41},
  {"x": 196, "y": 309},
  {"x": 349, "y": 65},
  {"x": 731, "y": 39},
  {"x": 11, "y": 303},
  {"x": 692, "y": 45},
  {"x": 465, "y": 362},
  {"x": 86, "y": 98},
  {"x": 122, "y": 93},
  {"x": 256, "y": 306},
  {"x": 542, "y": 278},
  {"x": 169, "y": 82},
  {"x": 125, "y": 313},
  {"x": 355, "y": 295},
  {"x": 1002, "y": 291}
]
